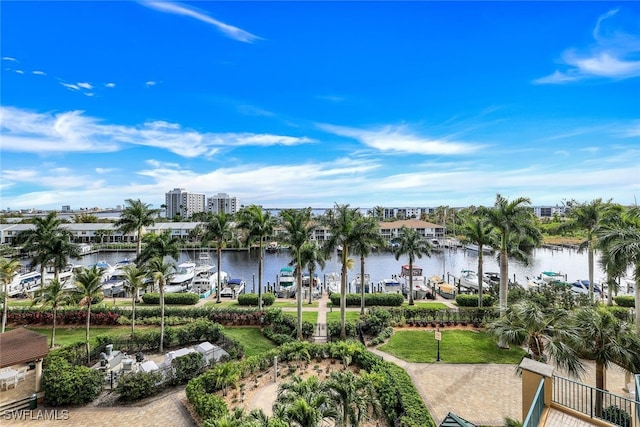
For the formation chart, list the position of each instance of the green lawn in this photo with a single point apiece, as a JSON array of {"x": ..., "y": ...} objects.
[
  {"x": 349, "y": 315},
  {"x": 307, "y": 316},
  {"x": 428, "y": 304},
  {"x": 293, "y": 303},
  {"x": 67, "y": 336},
  {"x": 457, "y": 346},
  {"x": 19, "y": 303},
  {"x": 223, "y": 303},
  {"x": 251, "y": 339}
]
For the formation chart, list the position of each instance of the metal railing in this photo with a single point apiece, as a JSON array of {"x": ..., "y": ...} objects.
[
  {"x": 593, "y": 402},
  {"x": 537, "y": 408}
]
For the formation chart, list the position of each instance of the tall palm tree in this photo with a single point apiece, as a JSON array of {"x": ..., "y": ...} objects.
[
  {"x": 53, "y": 295},
  {"x": 547, "y": 334},
  {"x": 135, "y": 216},
  {"x": 354, "y": 395},
  {"x": 159, "y": 245},
  {"x": 61, "y": 250},
  {"x": 412, "y": 244},
  {"x": 39, "y": 239},
  {"x": 513, "y": 222},
  {"x": 622, "y": 242},
  {"x": 298, "y": 229},
  {"x": 341, "y": 222},
  {"x": 89, "y": 286},
  {"x": 218, "y": 230},
  {"x": 310, "y": 257},
  {"x": 368, "y": 237},
  {"x": 605, "y": 339},
  {"x": 8, "y": 270},
  {"x": 477, "y": 230},
  {"x": 161, "y": 272},
  {"x": 259, "y": 225},
  {"x": 134, "y": 281},
  {"x": 588, "y": 217}
]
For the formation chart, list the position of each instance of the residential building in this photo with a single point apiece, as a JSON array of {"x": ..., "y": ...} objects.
[
  {"x": 222, "y": 202},
  {"x": 184, "y": 203}
]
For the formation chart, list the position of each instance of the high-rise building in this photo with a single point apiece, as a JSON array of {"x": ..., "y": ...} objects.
[
  {"x": 181, "y": 202},
  {"x": 222, "y": 202}
]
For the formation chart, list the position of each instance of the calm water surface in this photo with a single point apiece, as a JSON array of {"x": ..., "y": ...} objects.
[{"x": 382, "y": 265}]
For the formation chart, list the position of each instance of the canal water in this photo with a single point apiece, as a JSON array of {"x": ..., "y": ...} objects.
[{"x": 381, "y": 265}]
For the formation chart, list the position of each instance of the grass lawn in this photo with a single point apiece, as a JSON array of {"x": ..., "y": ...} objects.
[
  {"x": 19, "y": 303},
  {"x": 223, "y": 303},
  {"x": 349, "y": 315},
  {"x": 428, "y": 304},
  {"x": 251, "y": 339},
  {"x": 457, "y": 346},
  {"x": 307, "y": 316},
  {"x": 293, "y": 303},
  {"x": 67, "y": 336}
]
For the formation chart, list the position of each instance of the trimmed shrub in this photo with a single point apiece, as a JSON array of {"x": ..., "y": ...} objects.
[
  {"x": 171, "y": 298},
  {"x": 467, "y": 300},
  {"x": 138, "y": 385},
  {"x": 625, "y": 300},
  {"x": 334, "y": 327},
  {"x": 252, "y": 299},
  {"x": 353, "y": 300},
  {"x": 187, "y": 367},
  {"x": 65, "y": 384}
]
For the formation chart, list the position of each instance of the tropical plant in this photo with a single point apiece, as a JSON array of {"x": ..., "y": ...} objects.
[
  {"x": 298, "y": 229},
  {"x": 161, "y": 272},
  {"x": 218, "y": 230},
  {"x": 259, "y": 225},
  {"x": 53, "y": 295},
  {"x": 354, "y": 395},
  {"x": 89, "y": 286},
  {"x": 61, "y": 250},
  {"x": 412, "y": 244},
  {"x": 304, "y": 403},
  {"x": 134, "y": 281},
  {"x": 341, "y": 222},
  {"x": 477, "y": 230},
  {"x": 514, "y": 222},
  {"x": 135, "y": 216},
  {"x": 8, "y": 270},
  {"x": 159, "y": 245},
  {"x": 368, "y": 236},
  {"x": 310, "y": 257}
]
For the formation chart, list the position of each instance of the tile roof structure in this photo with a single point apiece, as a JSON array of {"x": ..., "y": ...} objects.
[{"x": 20, "y": 346}]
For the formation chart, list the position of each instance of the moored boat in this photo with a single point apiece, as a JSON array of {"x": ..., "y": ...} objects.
[
  {"x": 286, "y": 283},
  {"x": 332, "y": 283},
  {"x": 233, "y": 288},
  {"x": 469, "y": 279},
  {"x": 389, "y": 286},
  {"x": 420, "y": 286},
  {"x": 181, "y": 279},
  {"x": 356, "y": 283},
  {"x": 24, "y": 283}
]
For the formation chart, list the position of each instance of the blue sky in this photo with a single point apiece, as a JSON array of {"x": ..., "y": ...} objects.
[{"x": 291, "y": 104}]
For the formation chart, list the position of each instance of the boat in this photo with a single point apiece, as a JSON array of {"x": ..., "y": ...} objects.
[
  {"x": 204, "y": 285},
  {"x": 420, "y": 284},
  {"x": 286, "y": 283},
  {"x": 315, "y": 287},
  {"x": 581, "y": 286},
  {"x": 107, "y": 269},
  {"x": 442, "y": 288},
  {"x": 115, "y": 284},
  {"x": 233, "y": 288},
  {"x": 272, "y": 247},
  {"x": 204, "y": 264},
  {"x": 64, "y": 276},
  {"x": 491, "y": 278},
  {"x": 552, "y": 276},
  {"x": 24, "y": 283},
  {"x": 354, "y": 285},
  {"x": 389, "y": 286},
  {"x": 469, "y": 279},
  {"x": 332, "y": 283},
  {"x": 475, "y": 248},
  {"x": 181, "y": 279},
  {"x": 535, "y": 283}
]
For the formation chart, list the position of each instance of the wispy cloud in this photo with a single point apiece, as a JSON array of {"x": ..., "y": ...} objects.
[
  {"x": 228, "y": 30},
  {"x": 70, "y": 86},
  {"x": 110, "y": 84},
  {"x": 72, "y": 131},
  {"x": 85, "y": 85},
  {"x": 9, "y": 58},
  {"x": 150, "y": 83},
  {"x": 39, "y": 73},
  {"x": 613, "y": 56},
  {"x": 402, "y": 140},
  {"x": 19, "y": 71}
]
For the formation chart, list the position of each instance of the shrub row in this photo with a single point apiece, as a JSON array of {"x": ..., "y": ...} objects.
[
  {"x": 475, "y": 316},
  {"x": 171, "y": 298},
  {"x": 354, "y": 300},
  {"x": 31, "y": 316},
  {"x": 625, "y": 300},
  {"x": 65, "y": 384},
  {"x": 252, "y": 299},
  {"x": 468, "y": 300}
]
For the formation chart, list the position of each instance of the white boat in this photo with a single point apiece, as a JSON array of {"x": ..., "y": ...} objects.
[
  {"x": 107, "y": 269},
  {"x": 389, "y": 286},
  {"x": 181, "y": 279},
  {"x": 332, "y": 283},
  {"x": 286, "y": 283},
  {"x": 354, "y": 285},
  {"x": 552, "y": 276},
  {"x": 315, "y": 287},
  {"x": 469, "y": 279},
  {"x": 581, "y": 286},
  {"x": 475, "y": 248},
  {"x": 115, "y": 283},
  {"x": 272, "y": 247},
  {"x": 420, "y": 283},
  {"x": 535, "y": 283},
  {"x": 204, "y": 265},
  {"x": 233, "y": 288},
  {"x": 24, "y": 283},
  {"x": 64, "y": 276}
]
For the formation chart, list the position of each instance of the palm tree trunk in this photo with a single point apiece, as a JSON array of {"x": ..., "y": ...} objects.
[
  {"x": 590, "y": 260},
  {"x": 299, "y": 295},
  {"x": 600, "y": 386},
  {"x": 260, "y": 261},
  {"x": 139, "y": 243},
  {"x": 504, "y": 279},
  {"x": 343, "y": 293},
  {"x": 311, "y": 282},
  {"x": 637, "y": 292},
  {"x": 411, "y": 281},
  {"x": 161, "y": 285},
  {"x": 4, "y": 305},
  {"x": 480, "y": 274},
  {"x": 53, "y": 329},
  {"x": 362, "y": 284},
  {"x": 133, "y": 311},
  {"x": 87, "y": 334},
  {"x": 219, "y": 271}
]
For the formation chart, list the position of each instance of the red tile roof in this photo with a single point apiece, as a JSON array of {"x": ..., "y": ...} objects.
[{"x": 20, "y": 346}]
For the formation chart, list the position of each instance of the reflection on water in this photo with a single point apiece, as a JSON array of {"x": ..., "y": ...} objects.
[{"x": 380, "y": 265}]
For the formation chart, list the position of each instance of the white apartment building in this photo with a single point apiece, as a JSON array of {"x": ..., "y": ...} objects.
[
  {"x": 222, "y": 202},
  {"x": 184, "y": 203}
]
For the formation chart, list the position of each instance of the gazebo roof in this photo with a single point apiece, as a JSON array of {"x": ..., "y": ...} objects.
[
  {"x": 452, "y": 420},
  {"x": 20, "y": 346}
]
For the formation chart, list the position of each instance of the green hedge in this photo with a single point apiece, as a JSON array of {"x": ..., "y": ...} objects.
[
  {"x": 171, "y": 298},
  {"x": 467, "y": 300},
  {"x": 252, "y": 299},
  {"x": 138, "y": 385},
  {"x": 66, "y": 384},
  {"x": 353, "y": 300},
  {"x": 625, "y": 300}
]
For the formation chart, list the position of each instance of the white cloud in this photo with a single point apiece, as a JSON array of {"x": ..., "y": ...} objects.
[
  {"x": 110, "y": 84},
  {"x": 89, "y": 93},
  {"x": 150, "y": 83},
  {"x": 614, "y": 56},
  {"x": 9, "y": 58},
  {"x": 19, "y": 71},
  {"x": 85, "y": 85},
  {"x": 70, "y": 86},
  {"x": 400, "y": 140},
  {"x": 228, "y": 30},
  {"x": 72, "y": 131},
  {"x": 39, "y": 73}
]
